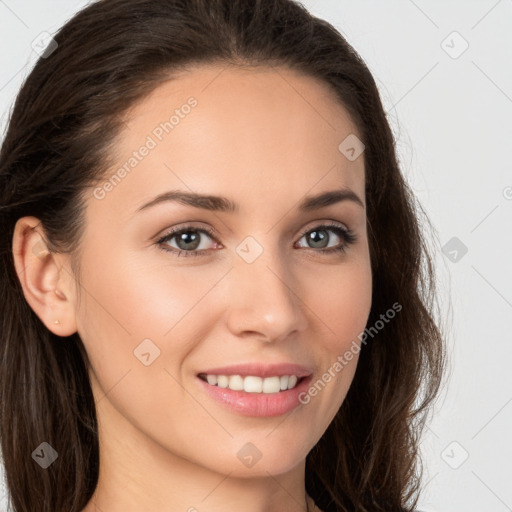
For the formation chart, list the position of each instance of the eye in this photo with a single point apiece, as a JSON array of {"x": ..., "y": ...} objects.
[
  {"x": 319, "y": 239},
  {"x": 188, "y": 239}
]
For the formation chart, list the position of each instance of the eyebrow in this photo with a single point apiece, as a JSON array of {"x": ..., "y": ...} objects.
[{"x": 223, "y": 204}]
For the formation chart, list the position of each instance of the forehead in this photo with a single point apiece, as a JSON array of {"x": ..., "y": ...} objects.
[{"x": 259, "y": 130}]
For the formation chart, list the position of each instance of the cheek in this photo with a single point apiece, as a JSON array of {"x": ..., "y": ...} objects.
[
  {"x": 137, "y": 325},
  {"x": 131, "y": 309},
  {"x": 118, "y": 313},
  {"x": 341, "y": 301},
  {"x": 133, "y": 300}
]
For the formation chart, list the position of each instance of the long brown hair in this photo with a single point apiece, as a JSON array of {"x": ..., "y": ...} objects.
[{"x": 58, "y": 144}]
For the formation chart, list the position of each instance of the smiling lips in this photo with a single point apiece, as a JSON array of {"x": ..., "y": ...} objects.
[{"x": 256, "y": 389}]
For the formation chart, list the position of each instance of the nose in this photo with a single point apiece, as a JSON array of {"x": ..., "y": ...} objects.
[{"x": 264, "y": 300}]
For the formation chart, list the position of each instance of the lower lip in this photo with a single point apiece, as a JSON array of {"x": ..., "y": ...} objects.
[{"x": 257, "y": 404}]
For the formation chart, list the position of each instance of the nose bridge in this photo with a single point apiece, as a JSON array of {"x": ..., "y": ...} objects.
[{"x": 265, "y": 300}]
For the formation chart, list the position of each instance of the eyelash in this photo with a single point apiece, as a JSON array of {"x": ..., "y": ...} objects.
[{"x": 344, "y": 233}]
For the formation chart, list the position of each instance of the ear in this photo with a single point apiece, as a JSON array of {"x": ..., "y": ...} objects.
[{"x": 46, "y": 278}]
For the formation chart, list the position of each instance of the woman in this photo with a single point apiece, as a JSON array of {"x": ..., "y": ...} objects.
[{"x": 290, "y": 365}]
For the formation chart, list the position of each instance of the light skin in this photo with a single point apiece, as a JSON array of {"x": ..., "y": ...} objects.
[{"x": 266, "y": 138}]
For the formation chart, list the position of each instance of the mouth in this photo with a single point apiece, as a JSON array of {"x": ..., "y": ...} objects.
[
  {"x": 253, "y": 383},
  {"x": 256, "y": 395}
]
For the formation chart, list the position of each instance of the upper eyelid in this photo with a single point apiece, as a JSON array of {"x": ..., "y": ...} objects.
[
  {"x": 329, "y": 224},
  {"x": 213, "y": 232},
  {"x": 172, "y": 232}
]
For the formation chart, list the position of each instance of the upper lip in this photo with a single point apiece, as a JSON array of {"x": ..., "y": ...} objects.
[{"x": 260, "y": 370}]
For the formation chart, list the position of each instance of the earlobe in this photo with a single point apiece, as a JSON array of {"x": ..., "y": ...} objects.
[{"x": 45, "y": 281}]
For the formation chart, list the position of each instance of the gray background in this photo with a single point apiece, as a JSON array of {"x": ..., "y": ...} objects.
[{"x": 450, "y": 108}]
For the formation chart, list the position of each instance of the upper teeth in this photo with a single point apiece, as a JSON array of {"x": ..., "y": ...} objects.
[{"x": 252, "y": 384}]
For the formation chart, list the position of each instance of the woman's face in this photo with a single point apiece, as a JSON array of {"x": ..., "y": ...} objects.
[{"x": 252, "y": 285}]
